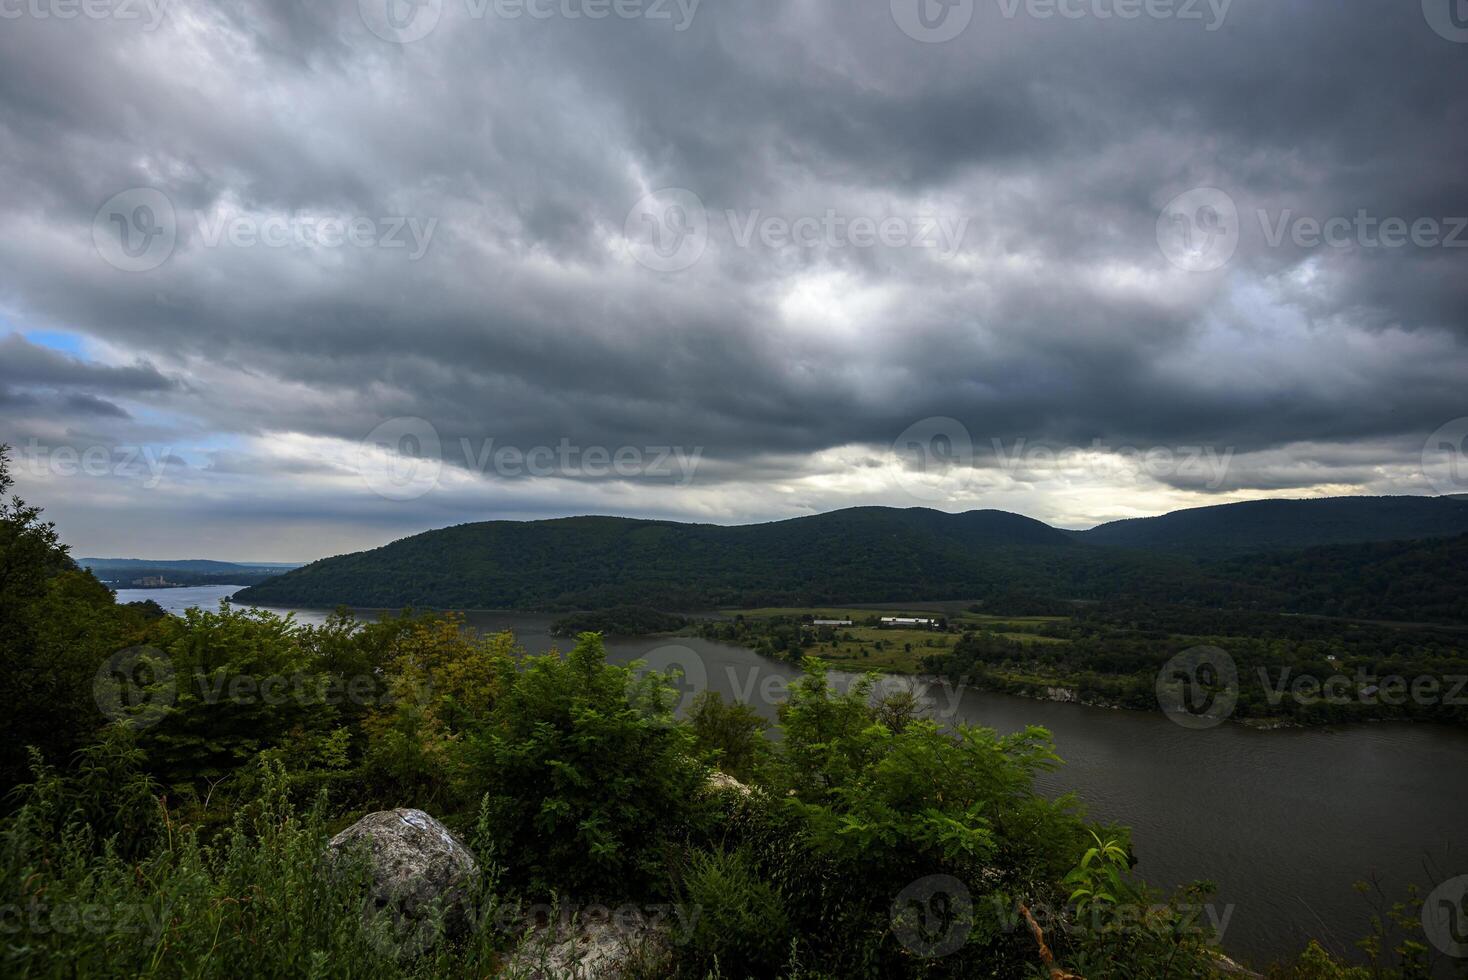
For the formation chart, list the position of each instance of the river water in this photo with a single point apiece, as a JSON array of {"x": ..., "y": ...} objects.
[{"x": 1283, "y": 822}]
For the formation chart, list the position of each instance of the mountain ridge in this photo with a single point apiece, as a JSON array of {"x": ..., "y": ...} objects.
[
  {"x": 183, "y": 564},
  {"x": 862, "y": 554},
  {"x": 1285, "y": 524}
]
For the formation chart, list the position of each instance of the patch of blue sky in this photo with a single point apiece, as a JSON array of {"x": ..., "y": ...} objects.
[{"x": 58, "y": 340}]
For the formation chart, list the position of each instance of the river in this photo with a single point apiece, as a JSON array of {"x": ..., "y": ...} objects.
[{"x": 1284, "y": 822}]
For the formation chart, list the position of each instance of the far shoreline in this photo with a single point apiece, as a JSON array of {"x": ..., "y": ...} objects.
[{"x": 1066, "y": 692}]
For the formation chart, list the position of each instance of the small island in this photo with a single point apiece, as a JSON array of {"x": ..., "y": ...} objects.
[{"x": 621, "y": 621}]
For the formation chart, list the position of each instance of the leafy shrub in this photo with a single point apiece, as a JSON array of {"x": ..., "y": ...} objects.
[
  {"x": 740, "y": 926},
  {"x": 105, "y": 792},
  {"x": 730, "y": 736},
  {"x": 240, "y": 683},
  {"x": 588, "y": 777},
  {"x": 441, "y": 683},
  {"x": 1116, "y": 926},
  {"x": 869, "y": 811},
  {"x": 58, "y": 624}
]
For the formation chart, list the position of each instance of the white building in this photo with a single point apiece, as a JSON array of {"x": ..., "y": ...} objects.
[{"x": 908, "y": 622}]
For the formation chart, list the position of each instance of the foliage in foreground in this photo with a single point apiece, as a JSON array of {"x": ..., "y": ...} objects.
[{"x": 176, "y": 826}]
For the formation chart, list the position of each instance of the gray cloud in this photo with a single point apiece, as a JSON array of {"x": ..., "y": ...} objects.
[{"x": 1059, "y": 321}]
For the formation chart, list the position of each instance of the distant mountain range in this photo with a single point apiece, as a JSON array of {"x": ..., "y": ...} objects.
[
  {"x": 1301, "y": 555},
  {"x": 123, "y": 572},
  {"x": 1276, "y": 525},
  {"x": 183, "y": 564}
]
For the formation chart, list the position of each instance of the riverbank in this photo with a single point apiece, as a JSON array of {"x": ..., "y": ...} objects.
[
  {"x": 1059, "y": 692},
  {"x": 1264, "y": 672}
]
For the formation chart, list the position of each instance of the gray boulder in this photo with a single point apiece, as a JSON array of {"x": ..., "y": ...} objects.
[
  {"x": 421, "y": 874},
  {"x": 612, "y": 945}
]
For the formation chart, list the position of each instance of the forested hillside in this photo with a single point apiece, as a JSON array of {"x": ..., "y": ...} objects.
[
  {"x": 887, "y": 555},
  {"x": 867, "y": 554},
  {"x": 1277, "y": 525}
]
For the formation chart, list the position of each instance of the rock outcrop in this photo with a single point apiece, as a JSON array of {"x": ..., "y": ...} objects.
[
  {"x": 608, "y": 946},
  {"x": 420, "y": 874},
  {"x": 722, "y": 782}
]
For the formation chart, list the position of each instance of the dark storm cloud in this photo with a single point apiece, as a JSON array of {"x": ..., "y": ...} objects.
[
  {"x": 36, "y": 381},
  {"x": 526, "y": 143},
  {"x": 28, "y": 364}
]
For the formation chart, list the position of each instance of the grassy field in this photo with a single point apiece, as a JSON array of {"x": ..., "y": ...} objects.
[
  {"x": 856, "y": 615},
  {"x": 1014, "y": 622},
  {"x": 864, "y": 647},
  {"x": 879, "y": 649}
]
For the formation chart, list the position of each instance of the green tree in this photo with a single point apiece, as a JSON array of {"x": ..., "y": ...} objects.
[
  {"x": 729, "y": 735},
  {"x": 59, "y": 626},
  {"x": 587, "y": 776}
]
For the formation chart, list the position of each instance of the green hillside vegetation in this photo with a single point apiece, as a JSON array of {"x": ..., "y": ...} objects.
[
  {"x": 622, "y": 621},
  {"x": 1110, "y": 653},
  {"x": 879, "y": 555},
  {"x": 1281, "y": 525},
  {"x": 1406, "y": 581},
  {"x": 791, "y": 634},
  {"x": 868, "y": 554}
]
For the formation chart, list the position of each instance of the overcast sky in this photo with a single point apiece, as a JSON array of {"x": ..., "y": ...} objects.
[{"x": 282, "y": 280}]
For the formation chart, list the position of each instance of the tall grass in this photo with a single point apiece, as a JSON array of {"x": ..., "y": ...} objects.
[{"x": 255, "y": 901}]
